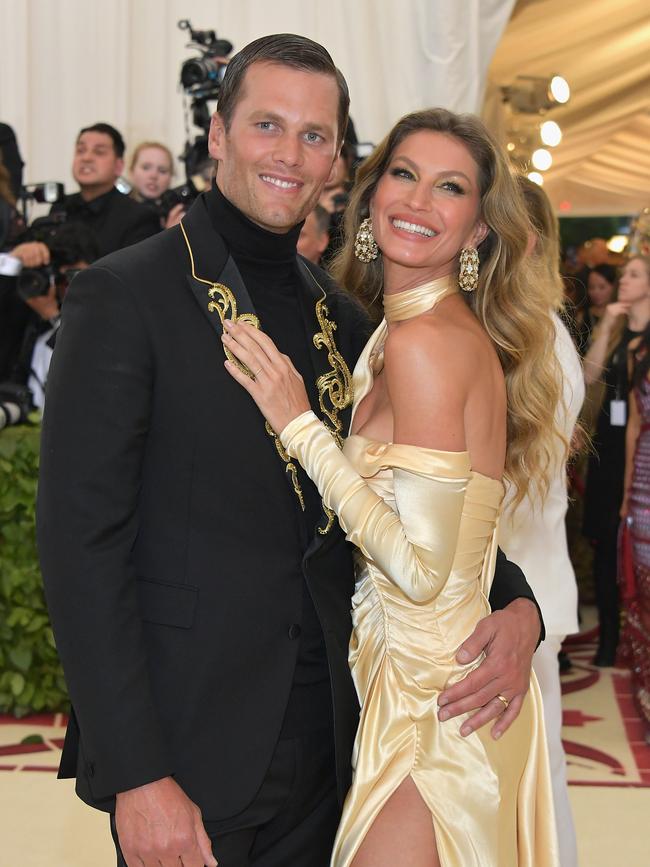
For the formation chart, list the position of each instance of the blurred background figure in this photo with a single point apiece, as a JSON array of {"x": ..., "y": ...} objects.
[
  {"x": 601, "y": 287},
  {"x": 607, "y": 360},
  {"x": 636, "y": 508},
  {"x": 10, "y": 154},
  {"x": 116, "y": 220},
  {"x": 533, "y": 534},
  {"x": 151, "y": 171},
  {"x": 315, "y": 235}
]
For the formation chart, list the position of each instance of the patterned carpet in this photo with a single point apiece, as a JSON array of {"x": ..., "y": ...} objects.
[
  {"x": 603, "y": 735},
  {"x": 41, "y": 821}
]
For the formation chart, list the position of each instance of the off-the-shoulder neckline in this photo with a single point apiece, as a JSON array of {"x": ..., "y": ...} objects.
[{"x": 426, "y": 450}]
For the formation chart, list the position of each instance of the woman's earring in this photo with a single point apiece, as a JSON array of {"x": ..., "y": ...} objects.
[
  {"x": 468, "y": 273},
  {"x": 365, "y": 246}
]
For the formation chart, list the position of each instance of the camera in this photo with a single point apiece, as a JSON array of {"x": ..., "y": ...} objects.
[
  {"x": 201, "y": 76},
  {"x": 201, "y": 79},
  {"x": 68, "y": 243},
  {"x": 182, "y": 195},
  {"x": 15, "y": 404},
  {"x": 46, "y": 193}
]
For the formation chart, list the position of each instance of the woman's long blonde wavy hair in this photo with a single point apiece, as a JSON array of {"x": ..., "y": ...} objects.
[{"x": 516, "y": 317}]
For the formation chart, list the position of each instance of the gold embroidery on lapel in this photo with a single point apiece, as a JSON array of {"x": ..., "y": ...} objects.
[
  {"x": 334, "y": 387},
  {"x": 226, "y": 302}
]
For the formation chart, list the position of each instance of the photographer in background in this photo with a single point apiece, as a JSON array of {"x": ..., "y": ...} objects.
[
  {"x": 13, "y": 314},
  {"x": 116, "y": 219},
  {"x": 315, "y": 235},
  {"x": 151, "y": 170},
  {"x": 56, "y": 252}
]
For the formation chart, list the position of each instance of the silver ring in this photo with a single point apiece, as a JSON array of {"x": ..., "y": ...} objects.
[{"x": 257, "y": 373}]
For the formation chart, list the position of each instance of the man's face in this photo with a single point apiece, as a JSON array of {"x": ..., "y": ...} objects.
[
  {"x": 281, "y": 146},
  {"x": 95, "y": 166}
]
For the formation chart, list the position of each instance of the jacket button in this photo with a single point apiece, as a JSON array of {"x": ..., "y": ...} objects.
[
  {"x": 294, "y": 631},
  {"x": 90, "y": 769}
]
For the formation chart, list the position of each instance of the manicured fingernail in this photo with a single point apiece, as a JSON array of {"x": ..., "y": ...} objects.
[
  {"x": 463, "y": 656},
  {"x": 497, "y": 735},
  {"x": 442, "y": 700},
  {"x": 443, "y": 715},
  {"x": 465, "y": 730}
]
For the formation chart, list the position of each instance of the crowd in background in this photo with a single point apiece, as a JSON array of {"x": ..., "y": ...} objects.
[{"x": 606, "y": 310}]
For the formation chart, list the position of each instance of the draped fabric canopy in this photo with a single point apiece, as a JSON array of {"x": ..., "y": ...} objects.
[
  {"x": 602, "y": 48},
  {"x": 65, "y": 64}
]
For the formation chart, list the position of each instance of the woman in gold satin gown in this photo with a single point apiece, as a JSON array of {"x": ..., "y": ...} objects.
[{"x": 441, "y": 412}]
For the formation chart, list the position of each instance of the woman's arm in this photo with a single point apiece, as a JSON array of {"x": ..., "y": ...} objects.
[
  {"x": 596, "y": 357},
  {"x": 416, "y": 546},
  {"x": 631, "y": 436}
]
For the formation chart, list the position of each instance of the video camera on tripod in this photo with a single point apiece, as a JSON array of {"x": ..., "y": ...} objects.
[{"x": 200, "y": 79}]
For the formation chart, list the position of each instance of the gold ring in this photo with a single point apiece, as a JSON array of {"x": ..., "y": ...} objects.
[
  {"x": 257, "y": 373},
  {"x": 505, "y": 701}
]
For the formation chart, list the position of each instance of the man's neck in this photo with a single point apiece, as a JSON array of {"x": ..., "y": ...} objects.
[{"x": 94, "y": 192}]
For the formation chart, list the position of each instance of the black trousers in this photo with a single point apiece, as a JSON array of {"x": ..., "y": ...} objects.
[{"x": 293, "y": 818}]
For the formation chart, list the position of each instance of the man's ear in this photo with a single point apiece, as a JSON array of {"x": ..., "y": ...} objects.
[
  {"x": 119, "y": 167},
  {"x": 216, "y": 137}
]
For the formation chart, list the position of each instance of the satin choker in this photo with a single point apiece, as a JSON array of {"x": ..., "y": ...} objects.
[{"x": 412, "y": 302}]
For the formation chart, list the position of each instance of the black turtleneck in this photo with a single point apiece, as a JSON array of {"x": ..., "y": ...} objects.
[{"x": 267, "y": 263}]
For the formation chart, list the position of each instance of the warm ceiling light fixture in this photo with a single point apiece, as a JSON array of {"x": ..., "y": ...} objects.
[
  {"x": 617, "y": 243},
  {"x": 532, "y": 94},
  {"x": 542, "y": 159},
  {"x": 550, "y": 133},
  {"x": 560, "y": 90}
]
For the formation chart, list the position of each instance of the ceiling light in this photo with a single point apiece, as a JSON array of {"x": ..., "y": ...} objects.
[
  {"x": 550, "y": 133},
  {"x": 536, "y": 178},
  {"x": 532, "y": 94},
  {"x": 617, "y": 243},
  {"x": 560, "y": 90},
  {"x": 542, "y": 159}
]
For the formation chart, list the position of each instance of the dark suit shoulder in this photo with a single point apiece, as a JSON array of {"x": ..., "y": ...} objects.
[
  {"x": 151, "y": 256},
  {"x": 347, "y": 305}
]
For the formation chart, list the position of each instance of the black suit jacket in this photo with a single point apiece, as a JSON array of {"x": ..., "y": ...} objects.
[
  {"x": 117, "y": 220},
  {"x": 168, "y": 527}
]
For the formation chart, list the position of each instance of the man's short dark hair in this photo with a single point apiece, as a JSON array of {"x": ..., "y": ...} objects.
[
  {"x": 115, "y": 136},
  {"x": 283, "y": 49}
]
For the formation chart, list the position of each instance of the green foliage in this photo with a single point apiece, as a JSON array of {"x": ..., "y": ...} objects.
[{"x": 31, "y": 678}]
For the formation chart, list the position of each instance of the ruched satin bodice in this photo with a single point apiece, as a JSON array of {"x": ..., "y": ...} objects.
[{"x": 424, "y": 524}]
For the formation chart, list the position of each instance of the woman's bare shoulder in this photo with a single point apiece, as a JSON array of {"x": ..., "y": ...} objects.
[{"x": 430, "y": 366}]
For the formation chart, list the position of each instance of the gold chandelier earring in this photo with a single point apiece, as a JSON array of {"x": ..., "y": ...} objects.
[
  {"x": 468, "y": 273},
  {"x": 365, "y": 246}
]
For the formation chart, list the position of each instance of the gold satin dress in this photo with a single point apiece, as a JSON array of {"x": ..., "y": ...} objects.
[{"x": 425, "y": 527}]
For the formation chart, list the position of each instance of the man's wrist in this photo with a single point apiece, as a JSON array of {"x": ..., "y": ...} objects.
[{"x": 524, "y": 606}]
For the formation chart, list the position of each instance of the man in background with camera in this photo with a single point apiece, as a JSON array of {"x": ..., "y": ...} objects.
[
  {"x": 199, "y": 594},
  {"x": 116, "y": 219}
]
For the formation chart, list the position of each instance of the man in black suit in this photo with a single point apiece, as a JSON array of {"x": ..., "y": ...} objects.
[
  {"x": 199, "y": 594},
  {"x": 116, "y": 220}
]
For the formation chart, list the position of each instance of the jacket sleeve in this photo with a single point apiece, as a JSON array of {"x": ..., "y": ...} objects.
[
  {"x": 95, "y": 428},
  {"x": 509, "y": 584},
  {"x": 414, "y": 546}
]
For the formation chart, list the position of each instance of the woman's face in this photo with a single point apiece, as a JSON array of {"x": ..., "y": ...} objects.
[
  {"x": 426, "y": 208},
  {"x": 634, "y": 283},
  {"x": 599, "y": 289},
  {"x": 151, "y": 173}
]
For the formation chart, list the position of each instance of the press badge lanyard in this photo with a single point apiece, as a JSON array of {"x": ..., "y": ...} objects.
[{"x": 618, "y": 405}]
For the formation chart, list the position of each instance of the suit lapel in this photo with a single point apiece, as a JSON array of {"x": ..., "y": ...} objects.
[{"x": 333, "y": 378}]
